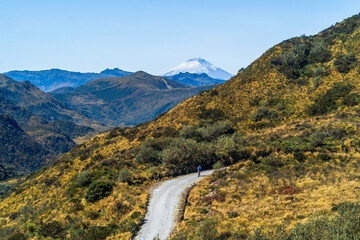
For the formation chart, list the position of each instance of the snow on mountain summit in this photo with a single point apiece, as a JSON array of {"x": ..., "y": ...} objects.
[{"x": 199, "y": 66}]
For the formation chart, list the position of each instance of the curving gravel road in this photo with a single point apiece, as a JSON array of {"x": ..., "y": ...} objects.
[{"x": 160, "y": 218}]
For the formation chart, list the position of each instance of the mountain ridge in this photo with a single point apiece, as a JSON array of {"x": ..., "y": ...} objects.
[
  {"x": 132, "y": 99},
  {"x": 48, "y": 80}
]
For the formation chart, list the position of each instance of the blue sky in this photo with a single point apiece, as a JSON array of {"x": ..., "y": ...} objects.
[{"x": 155, "y": 35}]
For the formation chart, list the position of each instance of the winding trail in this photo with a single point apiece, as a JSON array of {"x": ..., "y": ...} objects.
[{"x": 165, "y": 199}]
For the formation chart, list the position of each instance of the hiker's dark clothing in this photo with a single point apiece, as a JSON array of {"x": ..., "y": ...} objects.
[{"x": 198, "y": 170}]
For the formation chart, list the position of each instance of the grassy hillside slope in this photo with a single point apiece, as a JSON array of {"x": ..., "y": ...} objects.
[{"x": 288, "y": 125}]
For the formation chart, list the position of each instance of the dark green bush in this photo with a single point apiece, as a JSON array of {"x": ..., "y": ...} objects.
[
  {"x": 319, "y": 52},
  {"x": 336, "y": 132},
  {"x": 264, "y": 113},
  {"x": 84, "y": 178},
  {"x": 297, "y": 57},
  {"x": 207, "y": 230},
  {"x": 324, "y": 156},
  {"x": 150, "y": 151},
  {"x": 273, "y": 162},
  {"x": 98, "y": 190},
  {"x": 351, "y": 100},
  {"x": 317, "y": 139},
  {"x": 183, "y": 155},
  {"x": 345, "y": 63},
  {"x": 327, "y": 102},
  {"x": 124, "y": 175},
  {"x": 233, "y": 214},
  {"x": 52, "y": 229},
  {"x": 17, "y": 236},
  {"x": 93, "y": 233},
  {"x": 316, "y": 82},
  {"x": 213, "y": 131},
  {"x": 147, "y": 155},
  {"x": 211, "y": 114},
  {"x": 189, "y": 132},
  {"x": 299, "y": 156}
]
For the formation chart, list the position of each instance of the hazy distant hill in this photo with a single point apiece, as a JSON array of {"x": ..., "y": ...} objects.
[
  {"x": 128, "y": 100},
  {"x": 194, "y": 79},
  {"x": 48, "y": 80}
]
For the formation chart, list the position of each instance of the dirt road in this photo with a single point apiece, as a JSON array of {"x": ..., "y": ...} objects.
[{"x": 160, "y": 218}]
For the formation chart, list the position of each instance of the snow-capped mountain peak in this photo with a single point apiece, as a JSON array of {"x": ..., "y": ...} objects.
[{"x": 199, "y": 66}]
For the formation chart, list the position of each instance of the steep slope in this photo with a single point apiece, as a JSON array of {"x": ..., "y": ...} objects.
[
  {"x": 193, "y": 79},
  {"x": 288, "y": 124},
  {"x": 127, "y": 100},
  {"x": 48, "y": 80},
  {"x": 18, "y": 149},
  {"x": 199, "y": 66},
  {"x": 53, "y": 127}
]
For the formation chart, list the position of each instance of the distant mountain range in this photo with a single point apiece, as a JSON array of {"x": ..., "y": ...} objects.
[
  {"x": 36, "y": 127},
  {"x": 48, "y": 80},
  {"x": 199, "y": 66},
  {"x": 195, "y": 72},
  {"x": 128, "y": 100}
]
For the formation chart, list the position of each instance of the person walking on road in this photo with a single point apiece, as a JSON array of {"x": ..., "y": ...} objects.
[{"x": 198, "y": 170}]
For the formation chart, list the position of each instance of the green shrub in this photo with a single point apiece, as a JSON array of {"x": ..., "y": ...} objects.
[
  {"x": 319, "y": 52},
  {"x": 233, "y": 214},
  {"x": 150, "y": 150},
  {"x": 336, "y": 132},
  {"x": 98, "y": 190},
  {"x": 316, "y": 82},
  {"x": 345, "y": 63},
  {"x": 213, "y": 131},
  {"x": 327, "y": 102},
  {"x": 182, "y": 154},
  {"x": 317, "y": 139},
  {"x": 84, "y": 178},
  {"x": 189, "y": 132},
  {"x": 17, "y": 236},
  {"x": 93, "y": 233},
  {"x": 210, "y": 114},
  {"x": 273, "y": 161},
  {"x": 324, "y": 156},
  {"x": 207, "y": 230},
  {"x": 264, "y": 113},
  {"x": 351, "y": 100},
  {"x": 147, "y": 155},
  {"x": 219, "y": 169},
  {"x": 52, "y": 229},
  {"x": 124, "y": 175},
  {"x": 299, "y": 156}
]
